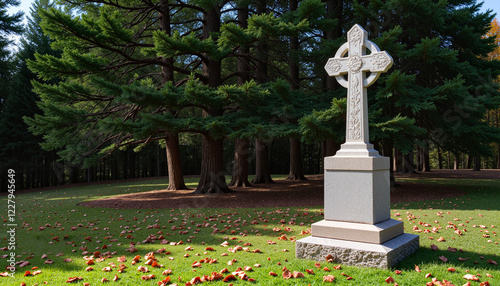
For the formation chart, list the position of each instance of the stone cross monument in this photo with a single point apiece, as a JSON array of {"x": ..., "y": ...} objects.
[{"x": 357, "y": 229}]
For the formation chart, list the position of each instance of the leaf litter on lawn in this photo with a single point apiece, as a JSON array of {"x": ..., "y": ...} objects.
[{"x": 172, "y": 234}]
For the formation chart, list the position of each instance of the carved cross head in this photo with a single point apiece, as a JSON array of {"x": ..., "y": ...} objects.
[{"x": 351, "y": 59}]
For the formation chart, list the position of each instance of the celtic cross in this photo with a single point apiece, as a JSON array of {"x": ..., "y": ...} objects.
[{"x": 356, "y": 65}]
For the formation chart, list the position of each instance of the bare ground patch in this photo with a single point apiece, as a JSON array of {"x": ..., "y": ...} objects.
[{"x": 284, "y": 194}]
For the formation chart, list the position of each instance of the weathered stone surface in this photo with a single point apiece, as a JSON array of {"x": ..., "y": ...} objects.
[{"x": 384, "y": 255}]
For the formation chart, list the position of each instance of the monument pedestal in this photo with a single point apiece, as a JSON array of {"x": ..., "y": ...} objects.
[
  {"x": 357, "y": 189},
  {"x": 357, "y": 229}
]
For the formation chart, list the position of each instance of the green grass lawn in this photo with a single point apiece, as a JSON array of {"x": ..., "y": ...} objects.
[{"x": 51, "y": 226}]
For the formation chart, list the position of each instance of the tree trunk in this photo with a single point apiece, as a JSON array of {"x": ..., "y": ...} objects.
[
  {"x": 174, "y": 163},
  {"x": 296, "y": 171},
  {"x": 331, "y": 146},
  {"x": 125, "y": 164},
  {"x": 73, "y": 175},
  {"x": 211, "y": 67},
  {"x": 114, "y": 169},
  {"x": 449, "y": 160},
  {"x": 19, "y": 177},
  {"x": 440, "y": 158},
  {"x": 398, "y": 160},
  {"x": 477, "y": 163},
  {"x": 243, "y": 62},
  {"x": 262, "y": 166},
  {"x": 387, "y": 151},
  {"x": 261, "y": 50},
  {"x": 100, "y": 171},
  {"x": 90, "y": 174},
  {"x": 427, "y": 160},
  {"x": 409, "y": 167},
  {"x": 498, "y": 156},
  {"x": 419, "y": 159},
  {"x": 30, "y": 183},
  {"x": 158, "y": 164},
  {"x": 212, "y": 178},
  {"x": 240, "y": 166},
  {"x": 426, "y": 165},
  {"x": 293, "y": 50},
  {"x": 296, "y": 168},
  {"x": 131, "y": 164},
  {"x": 242, "y": 146},
  {"x": 334, "y": 10},
  {"x": 45, "y": 173}
]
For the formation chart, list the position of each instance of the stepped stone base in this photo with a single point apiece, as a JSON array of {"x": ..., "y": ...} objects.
[
  {"x": 385, "y": 255},
  {"x": 370, "y": 233}
]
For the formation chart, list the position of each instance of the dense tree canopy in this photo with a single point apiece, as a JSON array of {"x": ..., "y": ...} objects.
[
  {"x": 134, "y": 74},
  {"x": 440, "y": 85}
]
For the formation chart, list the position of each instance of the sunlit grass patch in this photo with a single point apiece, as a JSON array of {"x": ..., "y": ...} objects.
[{"x": 53, "y": 227}]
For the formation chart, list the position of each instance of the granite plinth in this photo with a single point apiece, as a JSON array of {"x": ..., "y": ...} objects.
[{"x": 385, "y": 255}]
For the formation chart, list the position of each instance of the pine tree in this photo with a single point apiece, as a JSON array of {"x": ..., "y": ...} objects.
[
  {"x": 239, "y": 175},
  {"x": 112, "y": 96},
  {"x": 116, "y": 52},
  {"x": 277, "y": 34},
  {"x": 299, "y": 59},
  {"x": 9, "y": 26},
  {"x": 441, "y": 80}
]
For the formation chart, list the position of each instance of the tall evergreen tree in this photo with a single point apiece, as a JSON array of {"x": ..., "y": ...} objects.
[
  {"x": 21, "y": 147},
  {"x": 111, "y": 95},
  {"x": 441, "y": 80},
  {"x": 301, "y": 48},
  {"x": 9, "y": 26},
  {"x": 110, "y": 57},
  {"x": 239, "y": 175}
]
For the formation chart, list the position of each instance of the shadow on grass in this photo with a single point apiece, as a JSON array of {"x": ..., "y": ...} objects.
[
  {"x": 427, "y": 256},
  {"x": 481, "y": 194}
]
